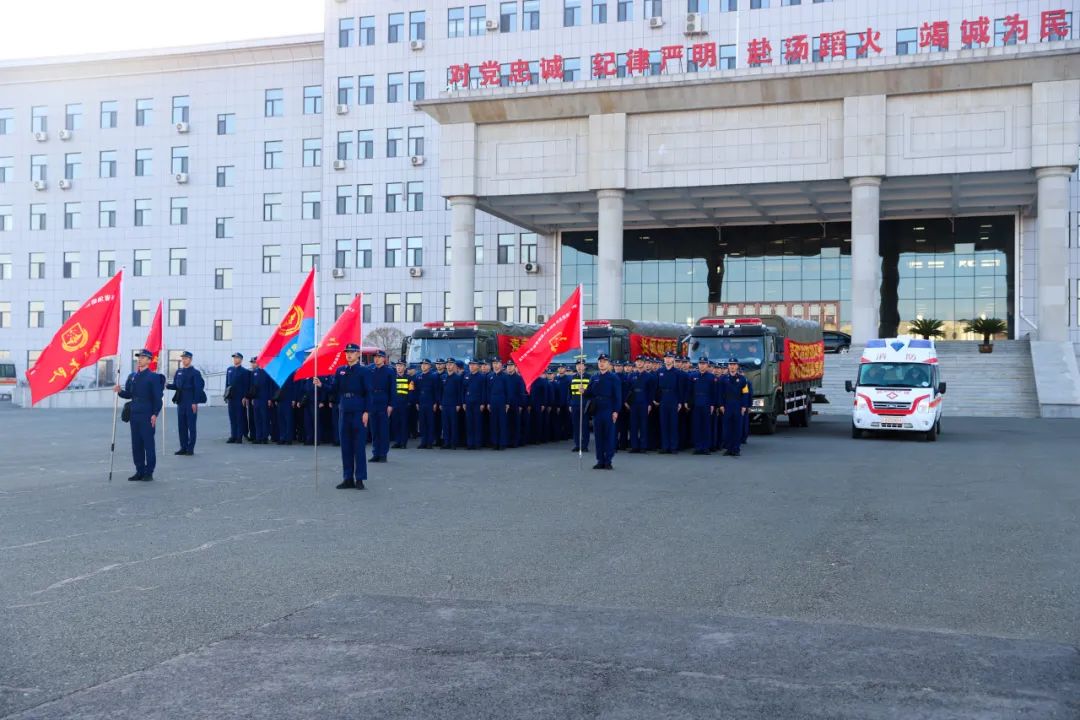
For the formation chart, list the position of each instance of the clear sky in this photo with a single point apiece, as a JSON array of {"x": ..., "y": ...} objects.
[{"x": 71, "y": 27}]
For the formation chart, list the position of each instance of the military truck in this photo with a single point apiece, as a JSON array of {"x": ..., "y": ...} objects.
[
  {"x": 465, "y": 340},
  {"x": 784, "y": 359},
  {"x": 624, "y": 340}
]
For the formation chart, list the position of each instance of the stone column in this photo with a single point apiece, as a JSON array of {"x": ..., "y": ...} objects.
[
  {"x": 609, "y": 241},
  {"x": 865, "y": 259},
  {"x": 462, "y": 258},
  {"x": 1053, "y": 249}
]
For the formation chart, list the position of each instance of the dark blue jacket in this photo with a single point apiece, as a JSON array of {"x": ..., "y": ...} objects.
[
  {"x": 382, "y": 387},
  {"x": 428, "y": 388},
  {"x": 453, "y": 391},
  {"x": 143, "y": 388},
  {"x": 540, "y": 394},
  {"x": 238, "y": 378},
  {"x": 499, "y": 388},
  {"x": 519, "y": 396},
  {"x": 476, "y": 388},
  {"x": 605, "y": 391},
  {"x": 642, "y": 388},
  {"x": 264, "y": 386},
  {"x": 669, "y": 385},
  {"x": 734, "y": 391},
  {"x": 562, "y": 390},
  {"x": 189, "y": 382},
  {"x": 352, "y": 388},
  {"x": 704, "y": 391}
]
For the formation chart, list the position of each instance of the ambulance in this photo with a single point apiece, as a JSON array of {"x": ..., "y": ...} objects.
[{"x": 899, "y": 388}]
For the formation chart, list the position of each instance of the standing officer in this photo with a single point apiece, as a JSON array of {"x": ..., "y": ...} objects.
[
  {"x": 414, "y": 413},
  {"x": 499, "y": 394},
  {"x": 428, "y": 396},
  {"x": 440, "y": 373},
  {"x": 143, "y": 388},
  {"x": 453, "y": 397},
  {"x": 579, "y": 383},
  {"x": 351, "y": 384},
  {"x": 379, "y": 407},
  {"x": 703, "y": 406},
  {"x": 561, "y": 417},
  {"x": 734, "y": 403},
  {"x": 261, "y": 399},
  {"x": 518, "y": 414},
  {"x": 399, "y": 421},
  {"x": 237, "y": 384},
  {"x": 605, "y": 392},
  {"x": 475, "y": 397},
  {"x": 538, "y": 402},
  {"x": 642, "y": 392},
  {"x": 191, "y": 392},
  {"x": 669, "y": 387},
  {"x": 286, "y": 409}
]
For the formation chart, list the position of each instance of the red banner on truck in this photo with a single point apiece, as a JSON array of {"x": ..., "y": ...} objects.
[{"x": 802, "y": 361}]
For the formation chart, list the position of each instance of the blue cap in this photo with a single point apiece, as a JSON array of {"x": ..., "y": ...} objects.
[
  {"x": 352, "y": 347},
  {"x": 496, "y": 360},
  {"x": 602, "y": 356},
  {"x": 186, "y": 354},
  {"x": 460, "y": 364},
  {"x": 400, "y": 361},
  {"x": 510, "y": 362},
  {"x": 254, "y": 358},
  {"x": 440, "y": 361},
  {"x": 733, "y": 361},
  {"x": 378, "y": 353},
  {"x": 703, "y": 359},
  {"x": 474, "y": 361},
  {"x": 451, "y": 361},
  {"x": 425, "y": 361},
  {"x": 669, "y": 355},
  {"x": 239, "y": 355},
  {"x": 145, "y": 353}
]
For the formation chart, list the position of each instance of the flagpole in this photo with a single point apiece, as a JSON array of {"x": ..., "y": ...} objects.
[
  {"x": 119, "y": 354},
  {"x": 315, "y": 269},
  {"x": 163, "y": 352},
  {"x": 581, "y": 402}
]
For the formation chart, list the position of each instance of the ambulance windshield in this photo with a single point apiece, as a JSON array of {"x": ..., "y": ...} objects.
[{"x": 902, "y": 375}]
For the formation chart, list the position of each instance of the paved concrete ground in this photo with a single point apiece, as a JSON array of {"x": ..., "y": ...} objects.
[{"x": 816, "y": 576}]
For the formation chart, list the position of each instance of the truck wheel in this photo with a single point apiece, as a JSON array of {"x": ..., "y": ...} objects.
[
  {"x": 856, "y": 433},
  {"x": 931, "y": 434},
  {"x": 768, "y": 424},
  {"x": 795, "y": 419}
]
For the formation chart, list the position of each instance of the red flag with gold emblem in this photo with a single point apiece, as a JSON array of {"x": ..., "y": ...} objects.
[
  {"x": 562, "y": 332},
  {"x": 330, "y": 352},
  {"x": 91, "y": 333},
  {"x": 153, "y": 339}
]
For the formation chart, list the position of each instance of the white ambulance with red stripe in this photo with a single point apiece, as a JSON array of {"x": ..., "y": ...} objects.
[{"x": 899, "y": 388}]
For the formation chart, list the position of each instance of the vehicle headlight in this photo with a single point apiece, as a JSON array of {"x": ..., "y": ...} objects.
[{"x": 759, "y": 402}]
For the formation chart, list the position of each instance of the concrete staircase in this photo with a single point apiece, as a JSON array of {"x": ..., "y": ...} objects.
[{"x": 1001, "y": 384}]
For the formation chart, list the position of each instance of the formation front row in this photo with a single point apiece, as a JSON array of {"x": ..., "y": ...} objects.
[{"x": 651, "y": 405}]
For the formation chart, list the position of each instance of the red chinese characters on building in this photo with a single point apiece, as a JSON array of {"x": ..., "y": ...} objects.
[
  {"x": 551, "y": 68},
  {"x": 868, "y": 41},
  {"x": 519, "y": 72},
  {"x": 796, "y": 49},
  {"x": 833, "y": 44},
  {"x": 703, "y": 55},
  {"x": 975, "y": 32},
  {"x": 489, "y": 73},
  {"x": 603, "y": 65},
  {"x": 1016, "y": 29},
  {"x": 759, "y": 52},
  {"x": 459, "y": 74},
  {"x": 1053, "y": 25},
  {"x": 670, "y": 52},
  {"x": 637, "y": 61},
  {"x": 935, "y": 34}
]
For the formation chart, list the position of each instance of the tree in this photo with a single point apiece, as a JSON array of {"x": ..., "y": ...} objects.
[
  {"x": 987, "y": 327},
  {"x": 927, "y": 328},
  {"x": 388, "y": 338}
]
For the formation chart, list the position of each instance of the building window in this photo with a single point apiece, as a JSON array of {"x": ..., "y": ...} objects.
[
  {"x": 343, "y": 200},
  {"x": 36, "y": 314},
  {"x": 393, "y": 87},
  {"x": 413, "y": 307},
  {"x": 363, "y": 253},
  {"x": 181, "y": 109},
  {"x": 107, "y": 164},
  {"x": 478, "y": 250},
  {"x": 446, "y": 306},
  {"x": 178, "y": 261},
  {"x": 39, "y": 168},
  {"x": 271, "y": 258},
  {"x": 143, "y": 212},
  {"x": 312, "y": 152},
  {"x": 73, "y": 116},
  {"x": 393, "y": 142},
  {"x": 395, "y": 26},
  {"x": 726, "y": 57},
  {"x": 344, "y": 144},
  {"x": 107, "y": 214},
  {"x": 5, "y": 314},
  {"x": 393, "y": 252},
  {"x": 571, "y": 69},
  {"x": 345, "y": 87},
  {"x": 67, "y": 309},
  {"x": 7, "y": 121},
  {"x": 392, "y": 307},
  {"x": 313, "y": 99},
  {"x": 309, "y": 256},
  {"x": 528, "y": 247},
  {"x": 507, "y": 246},
  {"x": 508, "y": 16},
  {"x": 37, "y": 216},
  {"x": 226, "y": 124},
  {"x": 365, "y": 144},
  {"x": 343, "y": 250},
  {"x": 140, "y": 261},
  {"x": 110, "y": 112},
  {"x": 365, "y": 199},
  {"x": 144, "y": 162},
  {"x": 311, "y": 205},
  {"x": 571, "y": 13},
  {"x": 271, "y": 207},
  {"x": 599, "y": 12},
  {"x": 177, "y": 313},
  {"x": 624, "y": 10},
  {"x": 527, "y": 307},
  {"x": 414, "y": 251},
  {"x": 39, "y": 118},
  {"x": 274, "y": 102},
  {"x": 271, "y": 309},
  {"x": 6, "y": 221},
  {"x": 341, "y": 302},
  {"x": 346, "y": 28},
  {"x": 225, "y": 175},
  {"x": 179, "y": 160},
  {"x": 654, "y": 8},
  {"x": 416, "y": 140},
  {"x": 222, "y": 278},
  {"x": 907, "y": 41},
  {"x": 5, "y": 266},
  {"x": 758, "y": 4},
  {"x": 394, "y": 200},
  {"x": 365, "y": 312},
  {"x": 367, "y": 30},
  {"x": 72, "y": 216},
  {"x": 418, "y": 25},
  {"x": 71, "y": 264},
  {"x": 366, "y": 94},
  {"x": 7, "y": 168},
  {"x": 223, "y": 330},
  {"x": 106, "y": 263},
  {"x": 140, "y": 313},
  {"x": 504, "y": 306},
  {"x": 37, "y": 266},
  {"x": 144, "y": 112},
  {"x": 72, "y": 166},
  {"x": 273, "y": 154},
  {"x": 416, "y": 85},
  {"x": 455, "y": 22},
  {"x": 477, "y": 18},
  {"x": 416, "y": 196}
]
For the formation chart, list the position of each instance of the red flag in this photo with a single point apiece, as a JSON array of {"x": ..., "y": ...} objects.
[
  {"x": 153, "y": 339},
  {"x": 331, "y": 350},
  {"x": 560, "y": 333},
  {"x": 92, "y": 332}
]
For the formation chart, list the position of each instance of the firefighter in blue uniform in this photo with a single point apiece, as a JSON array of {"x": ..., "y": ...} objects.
[
  {"x": 669, "y": 389},
  {"x": 379, "y": 407},
  {"x": 605, "y": 394},
  {"x": 440, "y": 372},
  {"x": 190, "y": 393},
  {"x": 746, "y": 417},
  {"x": 453, "y": 398},
  {"x": 237, "y": 384},
  {"x": 286, "y": 411},
  {"x": 475, "y": 395},
  {"x": 485, "y": 413},
  {"x": 263, "y": 393},
  {"x": 642, "y": 390},
  {"x": 561, "y": 414},
  {"x": 306, "y": 402},
  {"x": 518, "y": 415},
  {"x": 143, "y": 388},
  {"x": 579, "y": 383},
  {"x": 428, "y": 396},
  {"x": 734, "y": 404},
  {"x": 538, "y": 401},
  {"x": 499, "y": 394},
  {"x": 350, "y": 384},
  {"x": 399, "y": 420},
  {"x": 703, "y": 406}
]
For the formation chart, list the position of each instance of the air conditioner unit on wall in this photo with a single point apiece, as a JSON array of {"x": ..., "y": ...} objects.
[
  {"x": 695, "y": 24},
  {"x": 181, "y": 178},
  {"x": 341, "y": 109},
  {"x": 339, "y": 164},
  {"x": 64, "y": 184},
  {"x": 417, "y": 44},
  {"x": 41, "y": 136},
  {"x": 338, "y": 273},
  {"x": 40, "y": 184},
  {"x": 416, "y": 272},
  {"x": 656, "y": 22},
  {"x": 182, "y": 127},
  {"x": 532, "y": 268},
  {"x": 491, "y": 25},
  {"x": 65, "y": 134},
  {"x": 417, "y": 159}
]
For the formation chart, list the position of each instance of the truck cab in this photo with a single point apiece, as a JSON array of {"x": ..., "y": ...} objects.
[{"x": 898, "y": 389}]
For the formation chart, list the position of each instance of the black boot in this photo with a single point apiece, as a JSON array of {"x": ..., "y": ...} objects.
[
  {"x": 135, "y": 477},
  {"x": 346, "y": 484}
]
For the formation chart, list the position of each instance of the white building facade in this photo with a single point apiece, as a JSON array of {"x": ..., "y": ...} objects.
[{"x": 864, "y": 163}]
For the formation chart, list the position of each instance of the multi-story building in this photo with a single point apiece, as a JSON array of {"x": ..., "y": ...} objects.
[{"x": 675, "y": 157}]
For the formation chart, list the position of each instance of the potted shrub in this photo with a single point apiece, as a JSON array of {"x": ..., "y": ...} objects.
[
  {"x": 927, "y": 328},
  {"x": 987, "y": 327}
]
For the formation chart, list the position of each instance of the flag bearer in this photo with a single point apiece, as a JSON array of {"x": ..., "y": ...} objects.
[
  {"x": 579, "y": 383},
  {"x": 351, "y": 384},
  {"x": 188, "y": 383},
  {"x": 605, "y": 392},
  {"x": 143, "y": 388}
]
